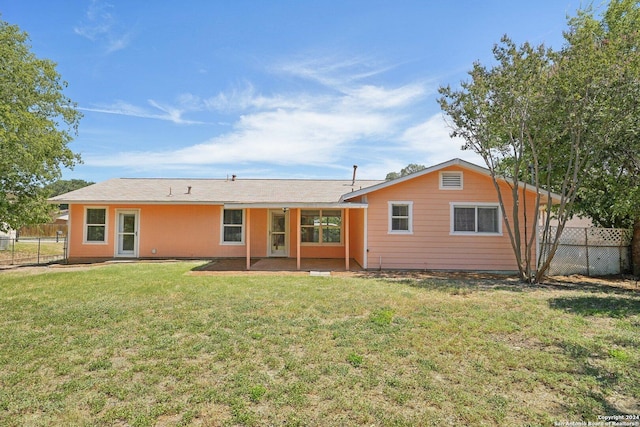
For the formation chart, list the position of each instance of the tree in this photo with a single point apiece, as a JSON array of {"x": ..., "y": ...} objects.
[
  {"x": 497, "y": 115},
  {"x": 611, "y": 194},
  {"x": 62, "y": 186},
  {"x": 37, "y": 121},
  {"x": 545, "y": 119},
  {"x": 409, "y": 169}
]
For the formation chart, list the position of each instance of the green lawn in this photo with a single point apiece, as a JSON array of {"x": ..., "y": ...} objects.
[
  {"x": 149, "y": 344},
  {"x": 29, "y": 251}
]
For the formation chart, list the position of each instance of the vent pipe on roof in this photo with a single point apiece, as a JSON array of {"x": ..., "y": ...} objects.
[
  {"x": 233, "y": 177},
  {"x": 354, "y": 174},
  {"x": 169, "y": 192},
  {"x": 189, "y": 189}
]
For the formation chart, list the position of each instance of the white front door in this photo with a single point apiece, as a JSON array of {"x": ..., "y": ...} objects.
[
  {"x": 278, "y": 235},
  {"x": 127, "y": 234}
]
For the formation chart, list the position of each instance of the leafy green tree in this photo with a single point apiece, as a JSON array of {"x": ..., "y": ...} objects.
[
  {"x": 549, "y": 119},
  {"x": 611, "y": 194},
  {"x": 37, "y": 122},
  {"x": 497, "y": 115},
  {"x": 62, "y": 186},
  {"x": 409, "y": 169}
]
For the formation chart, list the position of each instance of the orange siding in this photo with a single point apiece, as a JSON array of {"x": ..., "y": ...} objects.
[
  {"x": 431, "y": 246},
  {"x": 356, "y": 239},
  {"x": 186, "y": 231},
  {"x": 171, "y": 231}
]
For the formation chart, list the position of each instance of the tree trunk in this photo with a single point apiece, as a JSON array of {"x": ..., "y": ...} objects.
[{"x": 635, "y": 248}]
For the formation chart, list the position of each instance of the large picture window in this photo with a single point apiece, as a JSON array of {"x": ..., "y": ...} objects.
[
  {"x": 233, "y": 226},
  {"x": 95, "y": 225},
  {"x": 400, "y": 217},
  {"x": 475, "y": 219},
  {"x": 323, "y": 226}
]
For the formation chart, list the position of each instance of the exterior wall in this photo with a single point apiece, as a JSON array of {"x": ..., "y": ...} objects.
[
  {"x": 431, "y": 245},
  {"x": 357, "y": 233},
  {"x": 167, "y": 231},
  {"x": 186, "y": 231}
]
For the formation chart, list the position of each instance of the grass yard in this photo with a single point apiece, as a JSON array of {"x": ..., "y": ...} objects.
[
  {"x": 151, "y": 345},
  {"x": 29, "y": 251}
]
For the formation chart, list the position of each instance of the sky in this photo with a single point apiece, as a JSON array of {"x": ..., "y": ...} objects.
[{"x": 270, "y": 88}]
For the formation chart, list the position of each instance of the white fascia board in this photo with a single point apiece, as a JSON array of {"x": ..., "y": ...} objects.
[{"x": 294, "y": 205}]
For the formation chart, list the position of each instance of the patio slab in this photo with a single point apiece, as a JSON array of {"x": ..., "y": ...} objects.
[{"x": 279, "y": 264}]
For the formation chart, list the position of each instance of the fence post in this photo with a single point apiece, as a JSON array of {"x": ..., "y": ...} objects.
[
  {"x": 13, "y": 250},
  {"x": 586, "y": 246},
  {"x": 39, "y": 239}
]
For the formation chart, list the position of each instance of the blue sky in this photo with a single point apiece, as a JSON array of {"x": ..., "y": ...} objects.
[{"x": 269, "y": 89}]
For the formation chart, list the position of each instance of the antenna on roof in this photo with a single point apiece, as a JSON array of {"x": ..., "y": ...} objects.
[{"x": 354, "y": 174}]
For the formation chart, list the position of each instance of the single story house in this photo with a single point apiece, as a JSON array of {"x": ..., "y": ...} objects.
[{"x": 445, "y": 217}]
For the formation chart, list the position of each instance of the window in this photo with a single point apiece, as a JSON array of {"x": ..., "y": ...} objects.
[
  {"x": 451, "y": 180},
  {"x": 400, "y": 217},
  {"x": 95, "y": 220},
  {"x": 322, "y": 226},
  {"x": 475, "y": 219},
  {"x": 233, "y": 226}
]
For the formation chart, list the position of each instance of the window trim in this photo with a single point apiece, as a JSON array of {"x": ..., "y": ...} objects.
[
  {"x": 443, "y": 173},
  {"x": 390, "y": 205},
  {"x": 453, "y": 205},
  {"x": 320, "y": 242},
  {"x": 223, "y": 225},
  {"x": 86, "y": 225}
]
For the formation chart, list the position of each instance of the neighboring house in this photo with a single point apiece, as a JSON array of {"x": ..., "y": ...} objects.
[
  {"x": 444, "y": 217},
  {"x": 6, "y": 239}
]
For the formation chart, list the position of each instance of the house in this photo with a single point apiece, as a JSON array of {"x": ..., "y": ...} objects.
[
  {"x": 6, "y": 239},
  {"x": 444, "y": 217}
]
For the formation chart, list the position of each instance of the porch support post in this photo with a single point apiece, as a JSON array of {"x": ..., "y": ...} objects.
[
  {"x": 248, "y": 237},
  {"x": 346, "y": 239},
  {"x": 298, "y": 237}
]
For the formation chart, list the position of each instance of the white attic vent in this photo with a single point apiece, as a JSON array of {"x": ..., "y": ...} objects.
[{"x": 451, "y": 180}]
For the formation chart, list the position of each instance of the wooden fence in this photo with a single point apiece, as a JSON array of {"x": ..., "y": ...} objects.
[{"x": 43, "y": 230}]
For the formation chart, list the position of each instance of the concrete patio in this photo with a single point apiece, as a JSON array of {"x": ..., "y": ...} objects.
[{"x": 279, "y": 264}]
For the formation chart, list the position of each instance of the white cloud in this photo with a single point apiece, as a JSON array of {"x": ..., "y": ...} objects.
[
  {"x": 167, "y": 112},
  {"x": 431, "y": 139},
  {"x": 101, "y": 26},
  {"x": 379, "y": 123}
]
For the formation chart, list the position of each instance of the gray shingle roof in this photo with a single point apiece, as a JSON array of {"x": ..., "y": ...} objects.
[{"x": 214, "y": 191}]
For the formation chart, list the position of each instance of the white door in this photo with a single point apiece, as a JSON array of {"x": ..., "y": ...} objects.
[
  {"x": 127, "y": 234},
  {"x": 278, "y": 236}
]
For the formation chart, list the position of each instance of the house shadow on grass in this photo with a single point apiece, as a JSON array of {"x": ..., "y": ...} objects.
[
  {"x": 467, "y": 282},
  {"x": 455, "y": 283},
  {"x": 615, "y": 307}
]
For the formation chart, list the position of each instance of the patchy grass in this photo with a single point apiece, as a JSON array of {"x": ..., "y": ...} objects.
[
  {"x": 27, "y": 250},
  {"x": 147, "y": 344}
]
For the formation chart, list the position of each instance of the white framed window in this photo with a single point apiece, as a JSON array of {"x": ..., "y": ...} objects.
[
  {"x": 451, "y": 180},
  {"x": 321, "y": 226},
  {"x": 95, "y": 225},
  {"x": 400, "y": 217},
  {"x": 476, "y": 218},
  {"x": 232, "y": 227}
]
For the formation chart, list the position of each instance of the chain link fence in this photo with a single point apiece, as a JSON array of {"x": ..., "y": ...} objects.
[
  {"x": 591, "y": 251},
  {"x": 32, "y": 250}
]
